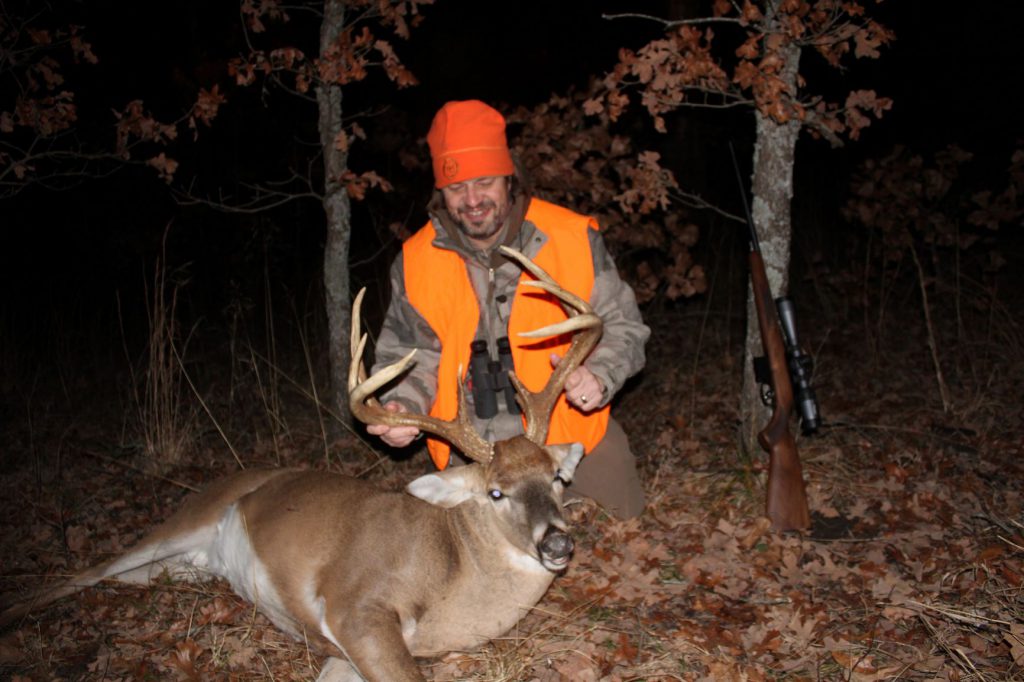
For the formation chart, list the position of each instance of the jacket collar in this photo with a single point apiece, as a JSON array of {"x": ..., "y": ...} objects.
[{"x": 450, "y": 237}]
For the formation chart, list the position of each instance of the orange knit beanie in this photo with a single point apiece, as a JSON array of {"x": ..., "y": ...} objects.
[{"x": 467, "y": 140}]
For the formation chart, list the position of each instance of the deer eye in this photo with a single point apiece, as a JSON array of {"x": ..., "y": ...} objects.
[{"x": 495, "y": 494}]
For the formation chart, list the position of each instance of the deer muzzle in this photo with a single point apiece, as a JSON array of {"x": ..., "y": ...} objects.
[{"x": 555, "y": 549}]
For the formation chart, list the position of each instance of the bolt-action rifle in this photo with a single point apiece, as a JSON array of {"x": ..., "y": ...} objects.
[{"x": 784, "y": 365}]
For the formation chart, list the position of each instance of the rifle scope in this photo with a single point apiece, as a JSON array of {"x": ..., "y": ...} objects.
[{"x": 801, "y": 366}]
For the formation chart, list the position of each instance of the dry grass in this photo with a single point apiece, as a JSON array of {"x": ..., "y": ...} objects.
[{"x": 165, "y": 420}]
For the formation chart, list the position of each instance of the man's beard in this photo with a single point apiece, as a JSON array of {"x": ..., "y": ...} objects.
[{"x": 486, "y": 229}]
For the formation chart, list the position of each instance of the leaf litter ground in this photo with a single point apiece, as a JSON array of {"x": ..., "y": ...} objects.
[{"x": 913, "y": 570}]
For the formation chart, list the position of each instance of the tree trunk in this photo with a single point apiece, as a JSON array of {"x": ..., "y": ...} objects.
[
  {"x": 774, "y": 153},
  {"x": 339, "y": 220}
]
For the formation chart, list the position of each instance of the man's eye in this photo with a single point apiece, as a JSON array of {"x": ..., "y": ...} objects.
[{"x": 495, "y": 494}]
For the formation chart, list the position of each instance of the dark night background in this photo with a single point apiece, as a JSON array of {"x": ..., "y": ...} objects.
[
  {"x": 954, "y": 76},
  {"x": 75, "y": 265}
]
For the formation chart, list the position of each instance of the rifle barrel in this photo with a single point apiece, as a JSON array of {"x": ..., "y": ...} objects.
[{"x": 755, "y": 246}]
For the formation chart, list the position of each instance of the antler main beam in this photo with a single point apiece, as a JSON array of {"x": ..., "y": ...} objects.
[
  {"x": 459, "y": 431},
  {"x": 538, "y": 406}
]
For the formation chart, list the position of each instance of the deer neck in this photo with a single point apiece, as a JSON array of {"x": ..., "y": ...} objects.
[
  {"x": 477, "y": 533},
  {"x": 495, "y": 584}
]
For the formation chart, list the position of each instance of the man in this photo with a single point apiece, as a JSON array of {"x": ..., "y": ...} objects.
[{"x": 451, "y": 287}]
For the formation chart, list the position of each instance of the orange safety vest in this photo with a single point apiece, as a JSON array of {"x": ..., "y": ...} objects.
[{"x": 438, "y": 286}]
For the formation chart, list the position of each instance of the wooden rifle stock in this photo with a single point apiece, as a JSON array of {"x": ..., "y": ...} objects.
[{"x": 786, "y": 504}]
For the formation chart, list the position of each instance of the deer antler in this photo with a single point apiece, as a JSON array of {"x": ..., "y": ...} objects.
[
  {"x": 459, "y": 431},
  {"x": 538, "y": 406}
]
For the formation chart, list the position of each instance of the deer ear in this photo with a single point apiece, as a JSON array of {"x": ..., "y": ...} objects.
[
  {"x": 568, "y": 457},
  {"x": 447, "y": 488}
]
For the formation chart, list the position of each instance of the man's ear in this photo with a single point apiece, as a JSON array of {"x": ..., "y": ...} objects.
[
  {"x": 568, "y": 456},
  {"x": 447, "y": 488}
]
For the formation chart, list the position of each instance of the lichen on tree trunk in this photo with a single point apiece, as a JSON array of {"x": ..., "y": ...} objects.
[{"x": 774, "y": 156}]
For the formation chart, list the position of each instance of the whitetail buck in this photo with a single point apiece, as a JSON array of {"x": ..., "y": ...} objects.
[{"x": 374, "y": 578}]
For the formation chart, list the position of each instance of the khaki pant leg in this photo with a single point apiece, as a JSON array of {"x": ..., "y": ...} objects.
[{"x": 608, "y": 476}]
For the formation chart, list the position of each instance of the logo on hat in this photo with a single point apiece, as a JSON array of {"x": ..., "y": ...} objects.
[{"x": 450, "y": 168}]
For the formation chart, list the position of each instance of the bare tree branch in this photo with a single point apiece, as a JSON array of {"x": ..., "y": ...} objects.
[
  {"x": 263, "y": 197},
  {"x": 696, "y": 201},
  {"x": 673, "y": 23}
]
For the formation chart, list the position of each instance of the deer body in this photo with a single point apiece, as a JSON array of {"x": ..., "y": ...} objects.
[
  {"x": 372, "y": 578},
  {"x": 363, "y": 574}
]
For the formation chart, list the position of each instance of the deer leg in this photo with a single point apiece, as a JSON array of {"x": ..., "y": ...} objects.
[
  {"x": 338, "y": 670},
  {"x": 373, "y": 644}
]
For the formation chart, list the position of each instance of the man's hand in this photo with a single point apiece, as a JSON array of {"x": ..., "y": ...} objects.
[
  {"x": 395, "y": 436},
  {"x": 583, "y": 389}
]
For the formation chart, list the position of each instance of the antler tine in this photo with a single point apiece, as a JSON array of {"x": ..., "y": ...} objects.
[
  {"x": 579, "y": 311},
  {"x": 545, "y": 281},
  {"x": 354, "y": 342},
  {"x": 459, "y": 432},
  {"x": 583, "y": 320}
]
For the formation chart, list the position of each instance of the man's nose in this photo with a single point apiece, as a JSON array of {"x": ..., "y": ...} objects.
[{"x": 473, "y": 195}]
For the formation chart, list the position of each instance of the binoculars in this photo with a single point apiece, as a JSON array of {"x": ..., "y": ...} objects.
[{"x": 489, "y": 377}]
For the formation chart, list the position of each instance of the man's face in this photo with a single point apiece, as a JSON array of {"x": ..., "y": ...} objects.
[{"x": 480, "y": 207}]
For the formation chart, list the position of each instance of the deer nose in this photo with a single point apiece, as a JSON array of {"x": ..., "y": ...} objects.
[{"x": 555, "y": 548}]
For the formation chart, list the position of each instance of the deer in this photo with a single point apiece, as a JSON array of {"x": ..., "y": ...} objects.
[{"x": 373, "y": 579}]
